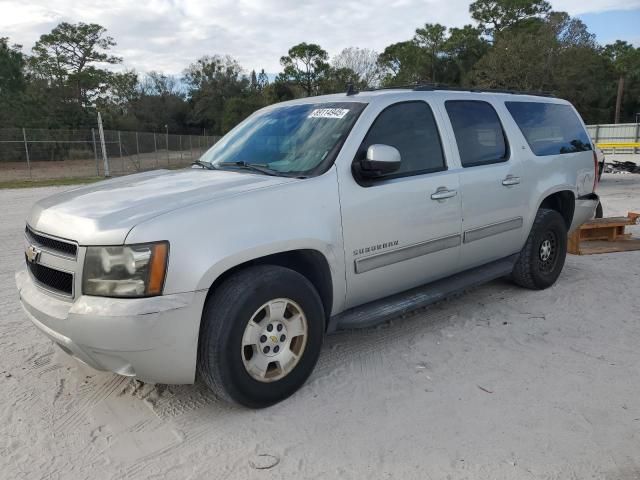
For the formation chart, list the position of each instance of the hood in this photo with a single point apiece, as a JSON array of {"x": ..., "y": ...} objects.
[{"x": 103, "y": 213}]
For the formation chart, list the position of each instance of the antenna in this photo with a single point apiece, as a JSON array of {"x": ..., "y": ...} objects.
[{"x": 351, "y": 90}]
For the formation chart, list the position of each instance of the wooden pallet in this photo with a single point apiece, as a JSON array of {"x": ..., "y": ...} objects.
[{"x": 604, "y": 235}]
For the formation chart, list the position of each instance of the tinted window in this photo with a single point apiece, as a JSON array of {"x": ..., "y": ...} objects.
[
  {"x": 550, "y": 128},
  {"x": 478, "y": 132},
  {"x": 411, "y": 128}
]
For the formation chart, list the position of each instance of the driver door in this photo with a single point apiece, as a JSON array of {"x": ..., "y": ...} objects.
[{"x": 403, "y": 229}]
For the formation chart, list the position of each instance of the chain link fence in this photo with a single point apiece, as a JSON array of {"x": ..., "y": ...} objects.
[{"x": 38, "y": 154}]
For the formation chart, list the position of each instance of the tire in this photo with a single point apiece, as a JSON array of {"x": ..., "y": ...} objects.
[
  {"x": 231, "y": 358},
  {"x": 599, "y": 212},
  {"x": 548, "y": 236}
]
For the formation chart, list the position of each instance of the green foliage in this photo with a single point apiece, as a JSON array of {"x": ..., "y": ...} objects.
[
  {"x": 67, "y": 58},
  {"x": 493, "y": 16},
  {"x": 515, "y": 44},
  {"x": 464, "y": 48},
  {"x": 624, "y": 57},
  {"x": 404, "y": 63},
  {"x": 305, "y": 66},
  {"x": 12, "y": 81}
]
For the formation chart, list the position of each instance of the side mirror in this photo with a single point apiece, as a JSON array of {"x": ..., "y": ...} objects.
[{"x": 380, "y": 160}]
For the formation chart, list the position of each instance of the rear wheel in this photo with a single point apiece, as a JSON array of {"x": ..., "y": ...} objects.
[
  {"x": 261, "y": 335},
  {"x": 542, "y": 258}
]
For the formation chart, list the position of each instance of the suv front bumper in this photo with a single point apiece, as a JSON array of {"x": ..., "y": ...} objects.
[{"x": 153, "y": 339}]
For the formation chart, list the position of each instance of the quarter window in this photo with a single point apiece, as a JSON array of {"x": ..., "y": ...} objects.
[
  {"x": 550, "y": 128},
  {"x": 478, "y": 132},
  {"x": 411, "y": 128}
]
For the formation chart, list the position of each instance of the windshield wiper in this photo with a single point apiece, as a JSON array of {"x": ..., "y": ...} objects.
[
  {"x": 202, "y": 164},
  {"x": 256, "y": 167}
]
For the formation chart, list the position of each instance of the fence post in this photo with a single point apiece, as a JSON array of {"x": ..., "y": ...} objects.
[
  {"x": 180, "y": 148},
  {"x": 190, "y": 148},
  {"x": 120, "y": 148},
  {"x": 95, "y": 151},
  {"x": 155, "y": 148},
  {"x": 597, "y": 132},
  {"x": 168, "y": 157},
  {"x": 637, "y": 136},
  {"x": 26, "y": 150},
  {"x": 138, "y": 150},
  {"x": 103, "y": 147}
]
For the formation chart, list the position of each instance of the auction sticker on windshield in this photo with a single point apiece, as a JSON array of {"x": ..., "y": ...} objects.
[{"x": 329, "y": 113}]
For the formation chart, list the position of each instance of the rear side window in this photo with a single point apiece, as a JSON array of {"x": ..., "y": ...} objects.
[
  {"x": 550, "y": 128},
  {"x": 478, "y": 132},
  {"x": 411, "y": 128}
]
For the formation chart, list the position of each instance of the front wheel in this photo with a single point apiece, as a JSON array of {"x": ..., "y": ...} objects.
[
  {"x": 542, "y": 258},
  {"x": 261, "y": 335}
]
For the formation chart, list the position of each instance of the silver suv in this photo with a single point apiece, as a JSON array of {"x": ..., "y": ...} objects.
[{"x": 314, "y": 215}]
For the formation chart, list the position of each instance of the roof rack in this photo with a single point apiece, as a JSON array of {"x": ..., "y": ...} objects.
[{"x": 421, "y": 87}]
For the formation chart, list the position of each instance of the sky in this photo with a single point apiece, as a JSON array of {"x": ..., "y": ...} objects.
[{"x": 167, "y": 35}]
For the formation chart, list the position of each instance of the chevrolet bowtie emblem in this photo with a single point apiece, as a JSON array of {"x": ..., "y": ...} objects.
[{"x": 33, "y": 253}]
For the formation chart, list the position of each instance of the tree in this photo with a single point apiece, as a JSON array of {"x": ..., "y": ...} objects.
[
  {"x": 263, "y": 80},
  {"x": 555, "y": 55},
  {"x": 626, "y": 63},
  {"x": 305, "y": 66},
  {"x": 12, "y": 65},
  {"x": 403, "y": 63},
  {"x": 336, "y": 80},
  {"x": 493, "y": 16},
  {"x": 159, "y": 101},
  {"x": 68, "y": 56},
  {"x": 431, "y": 39},
  {"x": 12, "y": 82},
  {"x": 364, "y": 64},
  {"x": 464, "y": 48},
  {"x": 211, "y": 82},
  {"x": 159, "y": 84}
]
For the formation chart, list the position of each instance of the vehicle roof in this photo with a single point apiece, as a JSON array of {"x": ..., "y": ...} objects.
[{"x": 391, "y": 94}]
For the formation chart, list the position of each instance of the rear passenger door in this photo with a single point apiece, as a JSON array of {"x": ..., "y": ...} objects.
[{"x": 491, "y": 182}]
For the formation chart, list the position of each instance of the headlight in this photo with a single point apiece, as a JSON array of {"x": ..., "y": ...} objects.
[{"x": 125, "y": 271}]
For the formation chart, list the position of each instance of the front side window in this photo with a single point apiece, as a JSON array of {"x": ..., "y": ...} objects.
[
  {"x": 291, "y": 140},
  {"x": 550, "y": 128},
  {"x": 478, "y": 132},
  {"x": 411, "y": 128}
]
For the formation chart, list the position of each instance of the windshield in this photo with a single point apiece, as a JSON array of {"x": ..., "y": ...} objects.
[{"x": 289, "y": 140}]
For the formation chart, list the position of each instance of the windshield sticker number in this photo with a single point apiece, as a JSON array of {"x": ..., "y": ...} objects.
[{"x": 329, "y": 113}]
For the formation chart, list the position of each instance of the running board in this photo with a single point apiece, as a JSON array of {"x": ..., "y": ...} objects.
[{"x": 385, "y": 309}]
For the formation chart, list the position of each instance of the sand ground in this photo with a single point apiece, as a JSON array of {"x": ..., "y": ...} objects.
[{"x": 499, "y": 383}]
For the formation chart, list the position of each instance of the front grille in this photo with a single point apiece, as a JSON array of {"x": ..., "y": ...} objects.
[
  {"x": 60, "y": 246},
  {"x": 61, "y": 282}
]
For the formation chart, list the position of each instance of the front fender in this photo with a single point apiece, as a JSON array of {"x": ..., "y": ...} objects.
[{"x": 210, "y": 238}]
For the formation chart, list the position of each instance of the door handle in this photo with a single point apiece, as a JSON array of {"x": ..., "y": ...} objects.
[
  {"x": 443, "y": 192},
  {"x": 510, "y": 180}
]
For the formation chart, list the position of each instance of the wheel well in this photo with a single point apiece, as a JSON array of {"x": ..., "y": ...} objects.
[
  {"x": 562, "y": 202},
  {"x": 309, "y": 263}
]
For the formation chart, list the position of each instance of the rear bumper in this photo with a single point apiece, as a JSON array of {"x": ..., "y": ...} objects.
[
  {"x": 585, "y": 209},
  {"x": 153, "y": 339}
]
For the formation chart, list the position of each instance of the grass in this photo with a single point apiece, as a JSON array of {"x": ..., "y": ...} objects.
[{"x": 52, "y": 182}]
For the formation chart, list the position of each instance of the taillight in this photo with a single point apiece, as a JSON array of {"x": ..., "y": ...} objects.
[{"x": 595, "y": 170}]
